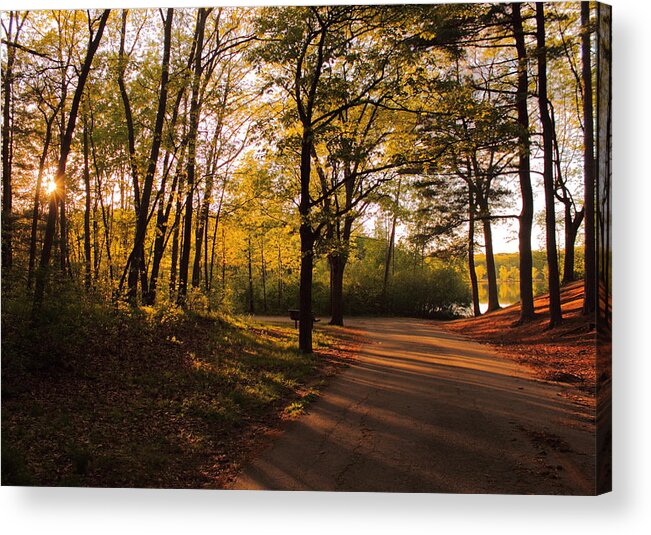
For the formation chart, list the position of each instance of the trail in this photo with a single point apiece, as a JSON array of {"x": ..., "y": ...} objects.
[{"x": 421, "y": 410}]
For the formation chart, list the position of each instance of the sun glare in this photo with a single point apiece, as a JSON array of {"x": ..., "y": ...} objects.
[{"x": 51, "y": 186}]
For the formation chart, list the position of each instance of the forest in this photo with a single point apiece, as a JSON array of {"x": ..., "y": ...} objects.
[{"x": 166, "y": 167}]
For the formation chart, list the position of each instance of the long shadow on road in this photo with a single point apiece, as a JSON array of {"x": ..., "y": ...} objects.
[{"x": 420, "y": 410}]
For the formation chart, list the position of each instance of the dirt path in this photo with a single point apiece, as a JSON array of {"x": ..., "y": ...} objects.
[{"x": 422, "y": 410}]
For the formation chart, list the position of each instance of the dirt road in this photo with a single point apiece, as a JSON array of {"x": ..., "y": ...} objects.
[{"x": 421, "y": 410}]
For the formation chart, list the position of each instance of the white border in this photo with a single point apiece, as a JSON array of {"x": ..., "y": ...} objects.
[{"x": 108, "y": 511}]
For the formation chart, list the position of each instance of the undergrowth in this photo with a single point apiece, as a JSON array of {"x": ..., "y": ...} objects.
[{"x": 99, "y": 395}]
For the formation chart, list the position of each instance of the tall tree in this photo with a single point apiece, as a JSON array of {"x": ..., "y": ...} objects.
[
  {"x": 12, "y": 31},
  {"x": 195, "y": 111},
  {"x": 589, "y": 167},
  {"x": 555, "y": 313},
  {"x": 524, "y": 168},
  {"x": 96, "y": 29},
  {"x": 136, "y": 261}
]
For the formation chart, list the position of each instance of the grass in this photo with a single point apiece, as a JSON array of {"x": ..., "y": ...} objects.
[{"x": 152, "y": 397}]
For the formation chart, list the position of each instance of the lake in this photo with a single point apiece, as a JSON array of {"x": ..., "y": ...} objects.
[{"x": 509, "y": 293}]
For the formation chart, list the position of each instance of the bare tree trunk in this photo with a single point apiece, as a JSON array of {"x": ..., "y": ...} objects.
[
  {"x": 555, "y": 313},
  {"x": 524, "y": 172}
]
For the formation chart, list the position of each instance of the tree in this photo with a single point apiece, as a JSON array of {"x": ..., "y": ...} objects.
[
  {"x": 589, "y": 166},
  {"x": 310, "y": 47},
  {"x": 548, "y": 172},
  {"x": 135, "y": 263},
  {"x": 96, "y": 27},
  {"x": 12, "y": 30},
  {"x": 524, "y": 168}
]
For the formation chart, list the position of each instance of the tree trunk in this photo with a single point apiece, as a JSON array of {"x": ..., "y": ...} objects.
[
  {"x": 589, "y": 167},
  {"x": 571, "y": 230},
  {"x": 548, "y": 172},
  {"x": 390, "y": 250},
  {"x": 37, "y": 198},
  {"x": 66, "y": 143},
  {"x": 471, "y": 254},
  {"x": 175, "y": 247},
  {"x": 223, "y": 261},
  {"x": 338, "y": 262},
  {"x": 524, "y": 172},
  {"x": 201, "y": 231},
  {"x": 195, "y": 110},
  {"x": 137, "y": 268},
  {"x": 87, "y": 244},
  {"x": 251, "y": 308},
  {"x": 162, "y": 218},
  {"x": 100, "y": 197},
  {"x": 7, "y": 142},
  {"x": 307, "y": 246},
  {"x": 491, "y": 272},
  {"x": 337, "y": 266},
  {"x": 264, "y": 276},
  {"x": 280, "y": 278}
]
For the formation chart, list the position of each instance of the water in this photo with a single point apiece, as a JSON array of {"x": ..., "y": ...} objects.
[{"x": 508, "y": 293}]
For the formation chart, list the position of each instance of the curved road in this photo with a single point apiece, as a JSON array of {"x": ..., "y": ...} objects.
[{"x": 421, "y": 410}]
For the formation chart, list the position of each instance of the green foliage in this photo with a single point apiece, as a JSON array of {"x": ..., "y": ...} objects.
[
  {"x": 104, "y": 395},
  {"x": 431, "y": 293},
  {"x": 416, "y": 287}
]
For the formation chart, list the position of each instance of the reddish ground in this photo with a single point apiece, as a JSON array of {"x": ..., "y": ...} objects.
[{"x": 566, "y": 353}]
